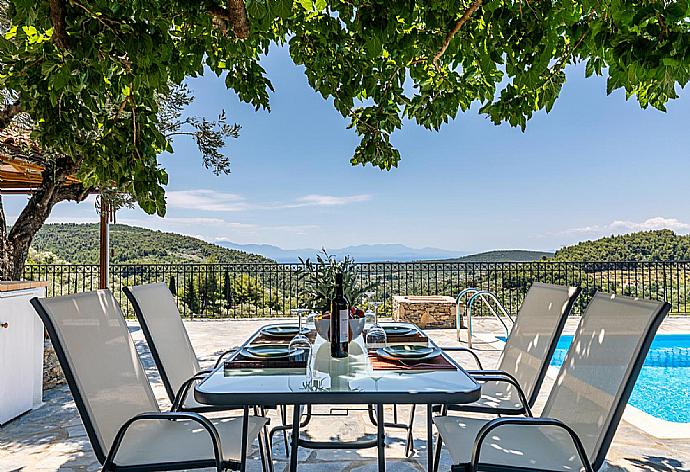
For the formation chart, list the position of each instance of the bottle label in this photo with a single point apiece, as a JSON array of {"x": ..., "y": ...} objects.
[{"x": 343, "y": 336}]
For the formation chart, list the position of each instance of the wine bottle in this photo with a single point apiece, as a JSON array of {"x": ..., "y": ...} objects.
[{"x": 340, "y": 310}]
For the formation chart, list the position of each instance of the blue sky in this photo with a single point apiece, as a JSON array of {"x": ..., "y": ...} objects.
[{"x": 595, "y": 165}]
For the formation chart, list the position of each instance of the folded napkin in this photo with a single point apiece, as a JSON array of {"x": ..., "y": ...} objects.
[
  {"x": 263, "y": 339},
  {"x": 414, "y": 338},
  {"x": 436, "y": 363},
  {"x": 242, "y": 362}
]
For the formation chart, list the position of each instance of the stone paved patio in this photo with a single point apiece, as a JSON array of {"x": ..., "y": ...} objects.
[{"x": 53, "y": 438}]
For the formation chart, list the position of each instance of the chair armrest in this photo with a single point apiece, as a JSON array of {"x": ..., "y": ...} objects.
[
  {"x": 220, "y": 358},
  {"x": 502, "y": 373},
  {"x": 177, "y": 415},
  {"x": 463, "y": 349},
  {"x": 178, "y": 402},
  {"x": 498, "y": 422},
  {"x": 508, "y": 379}
]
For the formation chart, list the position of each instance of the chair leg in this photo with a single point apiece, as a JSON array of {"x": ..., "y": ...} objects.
[
  {"x": 439, "y": 442},
  {"x": 269, "y": 444},
  {"x": 307, "y": 417},
  {"x": 262, "y": 452},
  {"x": 409, "y": 446},
  {"x": 264, "y": 446}
]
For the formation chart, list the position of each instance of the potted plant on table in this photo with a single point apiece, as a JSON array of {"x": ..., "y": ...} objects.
[{"x": 319, "y": 288}]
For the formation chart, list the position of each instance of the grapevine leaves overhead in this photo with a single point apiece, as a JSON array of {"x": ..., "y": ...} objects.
[{"x": 90, "y": 73}]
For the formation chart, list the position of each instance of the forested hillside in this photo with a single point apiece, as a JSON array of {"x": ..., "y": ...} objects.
[
  {"x": 660, "y": 245},
  {"x": 508, "y": 255},
  {"x": 78, "y": 244}
]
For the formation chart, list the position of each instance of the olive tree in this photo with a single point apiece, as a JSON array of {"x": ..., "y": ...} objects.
[{"x": 88, "y": 75}]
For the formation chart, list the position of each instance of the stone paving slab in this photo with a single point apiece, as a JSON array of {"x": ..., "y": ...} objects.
[{"x": 52, "y": 437}]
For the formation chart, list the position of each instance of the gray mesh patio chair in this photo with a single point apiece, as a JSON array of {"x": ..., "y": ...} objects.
[
  {"x": 173, "y": 353},
  {"x": 169, "y": 343},
  {"x": 124, "y": 423},
  {"x": 585, "y": 406},
  {"x": 514, "y": 386}
]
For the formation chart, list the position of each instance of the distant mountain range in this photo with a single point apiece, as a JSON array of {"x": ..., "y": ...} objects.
[
  {"x": 360, "y": 253},
  {"x": 78, "y": 244},
  {"x": 387, "y": 252}
]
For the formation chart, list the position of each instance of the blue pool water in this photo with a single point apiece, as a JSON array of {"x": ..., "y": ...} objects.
[{"x": 663, "y": 387}]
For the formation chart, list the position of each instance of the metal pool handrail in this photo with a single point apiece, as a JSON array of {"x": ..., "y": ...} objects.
[
  {"x": 469, "y": 291},
  {"x": 487, "y": 298}
]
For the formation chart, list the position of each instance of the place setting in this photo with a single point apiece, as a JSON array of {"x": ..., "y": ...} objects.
[
  {"x": 276, "y": 346},
  {"x": 409, "y": 357},
  {"x": 395, "y": 346}
]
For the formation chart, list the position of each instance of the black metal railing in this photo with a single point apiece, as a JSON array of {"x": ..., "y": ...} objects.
[{"x": 266, "y": 290}]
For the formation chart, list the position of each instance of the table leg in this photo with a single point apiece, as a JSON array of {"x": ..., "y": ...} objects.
[
  {"x": 381, "y": 438},
  {"x": 429, "y": 439},
  {"x": 295, "y": 438},
  {"x": 245, "y": 428},
  {"x": 283, "y": 418}
]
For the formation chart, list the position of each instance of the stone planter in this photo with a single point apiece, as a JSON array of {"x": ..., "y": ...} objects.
[
  {"x": 52, "y": 372},
  {"x": 425, "y": 311}
]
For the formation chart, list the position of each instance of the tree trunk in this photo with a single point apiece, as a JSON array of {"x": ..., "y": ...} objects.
[
  {"x": 14, "y": 246},
  {"x": 5, "y": 249}
]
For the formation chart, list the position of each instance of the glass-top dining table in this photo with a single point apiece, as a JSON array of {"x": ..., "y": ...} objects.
[{"x": 354, "y": 380}]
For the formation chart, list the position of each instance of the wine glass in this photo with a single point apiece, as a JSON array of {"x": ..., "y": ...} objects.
[
  {"x": 369, "y": 316},
  {"x": 301, "y": 341},
  {"x": 310, "y": 323},
  {"x": 376, "y": 335}
]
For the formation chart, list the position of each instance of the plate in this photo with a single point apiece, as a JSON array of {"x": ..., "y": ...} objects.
[
  {"x": 266, "y": 351},
  {"x": 408, "y": 353},
  {"x": 283, "y": 331},
  {"x": 398, "y": 330}
]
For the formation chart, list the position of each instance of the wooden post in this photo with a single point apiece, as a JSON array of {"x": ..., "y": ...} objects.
[{"x": 104, "y": 245}]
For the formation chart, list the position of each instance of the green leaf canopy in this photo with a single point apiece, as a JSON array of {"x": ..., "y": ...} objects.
[{"x": 90, "y": 73}]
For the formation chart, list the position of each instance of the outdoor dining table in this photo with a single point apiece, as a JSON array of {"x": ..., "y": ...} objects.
[{"x": 331, "y": 381}]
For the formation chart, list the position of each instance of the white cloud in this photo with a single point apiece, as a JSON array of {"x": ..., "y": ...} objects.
[
  {"x": 211, "y": 200},
  {"x": 205, "y": 200},
  {"x": 622, "y": 226},
  {"x": 330, "y": 200}
]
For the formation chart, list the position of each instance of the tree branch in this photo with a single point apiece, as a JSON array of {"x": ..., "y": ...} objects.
[
  {"x": 235, "y": 14},
  {"x": 449, "y": 37},
  {"x": 238, "y": 18},
  {"x": 8, "y": 113},
  {"x": 57, "y": 16}
]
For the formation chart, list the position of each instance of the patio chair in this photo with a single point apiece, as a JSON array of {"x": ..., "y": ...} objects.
[
  {"x": 514, "y": 386},
  {"x": 173, "y": 353},
  {"x": 583, "y": 410},
  {"x": 124, "y": 423},
  {"x": 169, "y": 343}
]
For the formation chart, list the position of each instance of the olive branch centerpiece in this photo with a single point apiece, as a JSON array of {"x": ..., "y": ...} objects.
[{"x": 318, "y": 279}]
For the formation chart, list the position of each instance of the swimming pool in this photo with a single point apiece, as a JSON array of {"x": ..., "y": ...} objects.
[{"x": 663, "y": 387}]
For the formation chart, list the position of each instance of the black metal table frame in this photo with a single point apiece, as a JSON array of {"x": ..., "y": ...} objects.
[{"x": 378, "y": 399}]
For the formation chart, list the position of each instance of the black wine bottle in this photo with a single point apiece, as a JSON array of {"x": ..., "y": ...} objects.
[{"x": 340, "y": 324}]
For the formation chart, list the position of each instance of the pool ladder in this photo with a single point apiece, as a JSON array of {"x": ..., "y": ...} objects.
[{"x": 468, "y": 297}]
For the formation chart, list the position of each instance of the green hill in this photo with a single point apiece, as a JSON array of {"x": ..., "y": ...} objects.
[
  {"x": 78, "y": 244},
  {"x": 660, "y": 245},
  {"x": 509, "y": 255}
]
